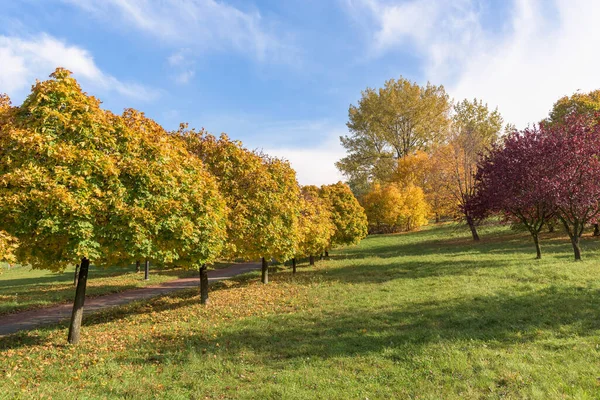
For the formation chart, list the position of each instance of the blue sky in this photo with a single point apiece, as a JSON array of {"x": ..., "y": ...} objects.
[{"x": 280, "y": 74}]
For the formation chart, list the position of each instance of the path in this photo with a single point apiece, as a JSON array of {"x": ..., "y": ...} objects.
[{"x": 32, "y": 319}]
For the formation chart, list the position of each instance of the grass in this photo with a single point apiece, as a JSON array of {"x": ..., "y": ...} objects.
[
  {"x": 428, "y": 315},
  {"x": 22, "y": 288}
]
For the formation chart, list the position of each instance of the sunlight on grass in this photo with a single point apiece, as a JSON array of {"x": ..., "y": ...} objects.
[{"x": 427, "y": 315}]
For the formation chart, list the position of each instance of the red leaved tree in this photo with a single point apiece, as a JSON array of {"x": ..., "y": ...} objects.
[{"x": 511, "y": 181}]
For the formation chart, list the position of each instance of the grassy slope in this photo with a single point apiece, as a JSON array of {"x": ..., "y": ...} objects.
[
  {"x": 22, "y": 288},
  {"x": 421, "y": 315}
]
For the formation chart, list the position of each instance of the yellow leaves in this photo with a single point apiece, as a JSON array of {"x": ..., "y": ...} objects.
[{"x": 394, "y": 207}]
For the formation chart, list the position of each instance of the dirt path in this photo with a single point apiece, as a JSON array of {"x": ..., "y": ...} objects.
[{"x": 32, "y": 319}]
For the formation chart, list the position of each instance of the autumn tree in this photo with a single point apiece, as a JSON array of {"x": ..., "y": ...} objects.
[
  {"x": 66, "y": 195},
  {"x": 391, "y": 207},
  {"x": 473, "y": 131},
  {"x": 579, "y": 103},
  {"x": 511, "y": 180},
  {"x": 261, "y": 193},
  {"x": 316, "y": 226},
  {"x": 425, "y": 171},
  {"x": 347, "y": 214},
  {"x": 389, "y": 124},
  {"x": 571, "y": 155}
]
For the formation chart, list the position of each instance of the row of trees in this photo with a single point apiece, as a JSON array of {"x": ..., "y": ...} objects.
[
  {"x": 79, "y": 184},
  {"x": 405, "y": 136},
  {"x": 547, "y": 173}
]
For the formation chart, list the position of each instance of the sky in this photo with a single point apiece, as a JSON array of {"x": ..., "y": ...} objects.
[{"x": 279, "y": 75}]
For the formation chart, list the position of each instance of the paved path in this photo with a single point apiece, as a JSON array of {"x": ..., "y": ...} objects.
[{"x": 32, "y": 319}]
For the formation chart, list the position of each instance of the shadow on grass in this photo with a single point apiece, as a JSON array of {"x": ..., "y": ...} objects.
[{"x": 497, "y": 321}]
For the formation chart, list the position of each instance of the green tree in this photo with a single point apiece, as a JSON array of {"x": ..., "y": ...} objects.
[
  {"x": 261, "y": 193},
  {"x": 578, "y": 103},
  {"x": 347, "y": 214},
  {"x": 66, "y": 195},
  {"x": 387, "y": 125}
]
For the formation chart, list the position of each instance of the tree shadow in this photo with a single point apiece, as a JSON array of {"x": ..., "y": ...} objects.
[{"x": 498, "y": 321}]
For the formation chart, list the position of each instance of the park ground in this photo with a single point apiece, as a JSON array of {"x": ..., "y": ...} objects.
[{"x": 429, "y": 315}]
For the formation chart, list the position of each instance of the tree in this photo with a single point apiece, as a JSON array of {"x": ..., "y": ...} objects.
[
  {"x": 66, "y": 169},
  {"x": 578, "y": 103},
  {"x": 8, "y": 247},
  {"x": 473, "y": 132},
  {"x": 389, "y": 124},
  {"x": 424, "y": 170},
  {"x": 347, "y": 214},
  {"x": 510, "y": 180},
  {"x": 261, "y": 193},
  {"x": 572, "y": 167},
  {"x": 316, "y": 227},
  {"x": 391, "y": 208}
]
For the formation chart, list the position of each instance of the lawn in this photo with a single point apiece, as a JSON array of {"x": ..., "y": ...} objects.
[
  {"x": 22, "y": 288},
  {"x": 428, "y": 315}
]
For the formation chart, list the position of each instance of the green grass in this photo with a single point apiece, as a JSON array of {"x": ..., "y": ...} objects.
[{"x": 428, "y": 315}]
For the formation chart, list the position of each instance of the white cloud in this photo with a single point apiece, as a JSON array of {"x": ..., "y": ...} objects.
[
  {"x": 544, "y": 50},
  {"x": 203, "y": 24},
  {"x": 27, "y": 59},
  {"x": 314, "y": 165}
]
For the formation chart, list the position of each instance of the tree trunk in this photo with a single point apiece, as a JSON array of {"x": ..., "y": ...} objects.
[
  {"x": 437, "y": 218},
  {"x": 538, "y": 250},
  {"x": 203, "y": 285},
  {"x": 311, "y": 260},
  {"x": 75, "y": 275},
  {"x": 326, "y": 254},
  {"x": 77, "y": 315},
  {"x": 550, "y": 228},
  {"x": 576, "y": 248},
  {"x": 293, "y": 265},
  {"x": 137, "y": 266},
  {"x": 265, "y": 271},
  {"x": 147, "y": 270},
  {"x": 473, "y": 228},
  {"x": 596, "y": 230},
  {"x": 321, "y": 257}
]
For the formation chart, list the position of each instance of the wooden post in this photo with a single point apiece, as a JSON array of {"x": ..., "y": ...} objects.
[{"x": 77, "y": 314}]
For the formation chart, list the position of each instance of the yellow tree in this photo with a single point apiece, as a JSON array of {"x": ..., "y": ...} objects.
[
  {"x": 391, "y": 207},
  {"x": 425, "y": 171},
  {"x": 261, "y": 193},
  {"x": 474, "y": 130},
  {"x": 389, "y": 124},
  {"x": 66, "y": 195},
  {"x": 316, "y": 226},
  {"x": 347, "y": 214}
]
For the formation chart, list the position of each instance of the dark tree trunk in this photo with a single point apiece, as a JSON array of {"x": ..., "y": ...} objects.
[
  {"x": 203, "y": 285},
  {"x": 437, "y": 218},
  {"x": 293, "y": 265},
  {"x": 596, "y": 230},
  {"x": 550, "y": 228},
  {"x": 321, "y": 257},
  {"x": 265, "y": 271},
  {"x": 473, "y": 228},
  {"x": 137, "y": 266},
  {"x": 326, "y": 254},
  {"x": 576, "y": 248},
  {"x": 311, "y": 260},
  {"x": 75, "y": 275},
  {"x": 538, "y": 249},
  {"x": 77, "y": 315},
  {"x": 147, "y": 270}
]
